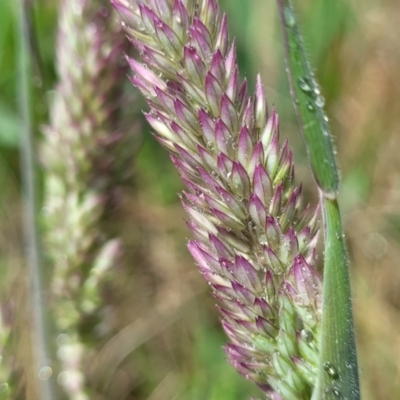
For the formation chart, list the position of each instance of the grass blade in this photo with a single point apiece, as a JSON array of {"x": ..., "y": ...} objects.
[
  {"x": 308, "y": 104},
  {"x": 28, "y": 167},
  {"x": 338, "y": 371}
]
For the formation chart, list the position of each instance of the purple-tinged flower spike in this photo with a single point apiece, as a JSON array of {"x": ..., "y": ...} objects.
[
  {"x": 254, "y": 243},
  {"x": 86, "y": 154}
]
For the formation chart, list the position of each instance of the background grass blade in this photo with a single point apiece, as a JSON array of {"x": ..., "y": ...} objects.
[
  {"x": 28, "y": 167},
  {"x": 338, "y": 373}
]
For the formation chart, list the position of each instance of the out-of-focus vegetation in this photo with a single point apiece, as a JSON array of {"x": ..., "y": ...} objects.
[{"x": 166, "y": 338}]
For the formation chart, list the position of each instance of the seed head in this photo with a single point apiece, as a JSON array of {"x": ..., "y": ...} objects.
[{"x": 253, "y": 241}]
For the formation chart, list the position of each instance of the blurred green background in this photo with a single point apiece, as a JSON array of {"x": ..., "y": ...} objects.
[{"x": 167, "y": 341}]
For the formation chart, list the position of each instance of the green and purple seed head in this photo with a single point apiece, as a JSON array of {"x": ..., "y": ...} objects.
[{"x": 253, "y": 242}]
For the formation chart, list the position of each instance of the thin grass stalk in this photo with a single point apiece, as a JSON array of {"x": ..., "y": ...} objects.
[
  {"x": 253, "y": 241},
  {"x": 338, "y": 371},
  {"x": 40, "y": 341},
  {"x": 86, "y": 165}
]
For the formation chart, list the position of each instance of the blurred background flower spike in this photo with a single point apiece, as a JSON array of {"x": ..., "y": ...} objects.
[{"x": 86, "y": 164}]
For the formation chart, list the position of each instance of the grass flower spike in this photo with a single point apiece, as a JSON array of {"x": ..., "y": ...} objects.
[
  {"x": 85, "y": 166},
  {"x": 253, "y": 241}
]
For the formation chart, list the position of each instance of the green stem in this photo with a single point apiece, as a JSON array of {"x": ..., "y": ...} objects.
[
  {"x": 338, "y": 371},
  {"x": 28, "y": 167}
]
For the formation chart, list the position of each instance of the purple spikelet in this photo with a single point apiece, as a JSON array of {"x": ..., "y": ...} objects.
[{"x": 253, "y": 242}]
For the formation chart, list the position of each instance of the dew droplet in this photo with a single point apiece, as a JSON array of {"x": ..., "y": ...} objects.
[
  {"x": 336, "y": 392},
  {"x": 298, "y": 299},
  {"x": 319, "y": 101},
  {"x": 252, "y": 226},
  {"x": 310, "y": 106},
  {"x": 307, "y": 335},
  {"x": 289, "y": 17},
  {"x": 304, "y": 85},
  {"x": 263, "y": 239},
  {"x": 331, "y": 370},
  {"x": 210, "y": 146}
]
